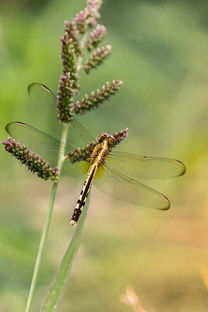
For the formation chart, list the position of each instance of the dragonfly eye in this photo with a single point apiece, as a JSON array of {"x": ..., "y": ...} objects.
[
  {"x": 105, "y": 135},
  {"x": 102, "y": 136}
]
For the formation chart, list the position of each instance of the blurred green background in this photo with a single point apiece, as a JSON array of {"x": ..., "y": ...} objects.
[{"x": 160, "y": 51}]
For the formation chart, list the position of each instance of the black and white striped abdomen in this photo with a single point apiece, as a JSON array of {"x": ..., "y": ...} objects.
[{"x": 83, "y": 196}]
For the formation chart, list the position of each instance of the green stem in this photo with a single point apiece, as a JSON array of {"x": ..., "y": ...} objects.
[
  {"x": 59, "y": 283},
  {"x": 61, "y": 159},
  {"x": 47, "y": 220}
]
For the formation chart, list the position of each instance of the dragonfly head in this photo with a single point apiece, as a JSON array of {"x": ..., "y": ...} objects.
[{"x": 105, "y": 136}]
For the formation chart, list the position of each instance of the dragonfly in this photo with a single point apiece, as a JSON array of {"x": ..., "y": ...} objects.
[{"x": 113, "y": 172}]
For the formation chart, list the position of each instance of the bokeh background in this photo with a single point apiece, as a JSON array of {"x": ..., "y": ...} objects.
[{"x": 160, "y": 51}]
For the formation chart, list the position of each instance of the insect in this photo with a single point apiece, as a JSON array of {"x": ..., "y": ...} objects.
[{"x": 119, "y": 171}]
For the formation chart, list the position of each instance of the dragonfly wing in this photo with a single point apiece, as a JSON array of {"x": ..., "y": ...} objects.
[
  {"x": 78, "y": 130},
  {"x": 138, "y": 166},
  {"x": 35, "y": 140},
  {"x": 43, "y": 108},
  {"x": 119, "y": 186},
  {"x": 44, "y": 102},
  {"x": 38, "y": 91}
]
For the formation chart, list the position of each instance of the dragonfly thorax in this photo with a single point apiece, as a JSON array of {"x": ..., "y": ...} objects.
[
  {"x": 105, "y": 136},
  {"x": 100, "y": 152}
]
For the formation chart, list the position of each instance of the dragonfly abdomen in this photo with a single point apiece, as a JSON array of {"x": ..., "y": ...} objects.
[
  {"x": 98, "y": 157},
  {"x": 83, "y": 196}
]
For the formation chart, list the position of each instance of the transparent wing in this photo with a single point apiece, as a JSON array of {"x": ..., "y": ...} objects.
[
  {"x": 79, "y": 131},
  {"x": 138, "y": 166},
  {"x": 44, "y": 145},
  {"x": 35, "y": 140},
  {"x": 114, "y": 183},
  {"x": 44, "y": 140},
  {"x": 44, "y": 103},
  {"x": 42, "y": 107},
  {"x": 42, "y": 97}
]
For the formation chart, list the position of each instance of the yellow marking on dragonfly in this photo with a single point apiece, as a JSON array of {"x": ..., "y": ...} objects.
[{"x": 97, "y": 159}]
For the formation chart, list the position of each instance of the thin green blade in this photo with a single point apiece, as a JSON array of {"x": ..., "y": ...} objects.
[{"x": 57, "y": 288}]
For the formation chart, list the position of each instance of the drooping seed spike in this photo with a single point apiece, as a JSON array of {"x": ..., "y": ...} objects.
[
  {"x": 80, "y": 154},
  {"x": 72, "y": 33},
  {"x": 95, "y": 37},
  {"x": 89, "y": 102},
  {"x": 120, "y": 136},
  {"x": 68, "y": 84},
  {"x": 33, "y": 162},
  {"x": 67, "y": 89},
  {"x": 94, "y": 4},
  {"x": 85, "y": 19},
  {"x": 97, "y": 58},
  {"x": 88, "y": 17},
  {"x": 68, "y": 55}
]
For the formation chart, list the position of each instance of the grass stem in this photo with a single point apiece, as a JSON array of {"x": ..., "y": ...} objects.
[
  {"x": 58, "y": 285},
  {"x": 47, "y": 220}
]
